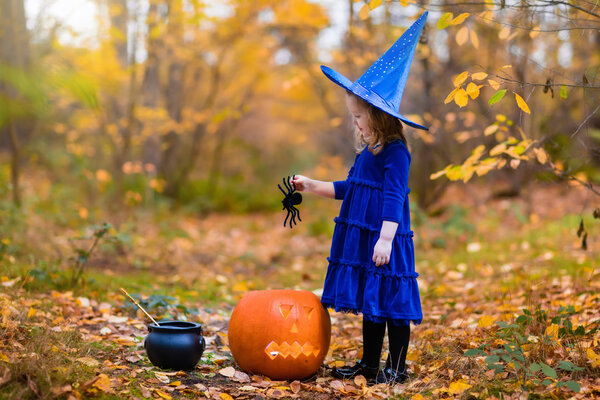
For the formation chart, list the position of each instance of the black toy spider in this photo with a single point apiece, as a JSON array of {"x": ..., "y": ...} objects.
[{"x": 291, "y": 199}]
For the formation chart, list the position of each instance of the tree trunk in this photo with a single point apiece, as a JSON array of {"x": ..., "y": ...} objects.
[{"x": 14, "y": 52}]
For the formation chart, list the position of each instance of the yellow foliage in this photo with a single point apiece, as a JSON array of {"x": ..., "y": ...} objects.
[
  {"x": 486, "y": 321},
  {"x": 490, "y": 130},
  {"x": 521, "y": 103},
  {"x": 445, "y": 20},
  {"x": 461, "y": 98},
  {"x": 460, "y": 19},
  {"x": 462, "y": 36},
  {"x": 473, "y": 90},
  {"x": 494, "y": 84},
  {"x": 373, "y": 4},
  {"x": 474, "y": 38},
  {"x": 460, "y": 78},
  {"x": 450, "y": 97},
  {"x": 593, "y": 357},
  {"x": 479, "y": 76},
  {"x": 364, "y": 12},
  {"x": 458, "y": 386}
]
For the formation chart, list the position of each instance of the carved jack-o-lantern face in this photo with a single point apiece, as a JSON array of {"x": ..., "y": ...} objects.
[{"x": 283, "y": 334}]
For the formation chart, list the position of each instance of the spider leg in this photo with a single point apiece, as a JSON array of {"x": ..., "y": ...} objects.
[
  {"x": 286, "y": 218},
  {"x": 287, "y": 184},
  {"x": 297, "y": 213},
  {"x": 284, "y": 193},
  {"x": 293, "y": 184},
  {"x": 293, "y": 219}
]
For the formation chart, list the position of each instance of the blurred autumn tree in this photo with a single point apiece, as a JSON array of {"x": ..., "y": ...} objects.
[{"x": 211, "y": 103}]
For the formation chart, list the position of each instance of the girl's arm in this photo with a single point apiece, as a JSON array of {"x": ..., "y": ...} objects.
[
  {"x": 383, "y": 247},
  {"x": 305, "y": 184}
]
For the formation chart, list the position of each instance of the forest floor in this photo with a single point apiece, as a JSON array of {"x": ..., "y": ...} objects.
[{"x": 510, "y": 298}]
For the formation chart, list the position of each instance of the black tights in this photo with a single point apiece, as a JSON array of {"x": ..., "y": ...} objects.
[{"x": 399, "y": 337}]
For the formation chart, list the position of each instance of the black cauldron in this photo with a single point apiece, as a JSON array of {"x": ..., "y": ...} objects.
[{"x": 175, "y": 345}]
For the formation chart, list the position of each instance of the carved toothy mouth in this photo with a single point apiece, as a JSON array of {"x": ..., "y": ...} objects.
[{"x": 290, "y": 350}]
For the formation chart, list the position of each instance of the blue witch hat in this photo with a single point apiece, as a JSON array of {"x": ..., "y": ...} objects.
[{"x": 383, "y": 83}]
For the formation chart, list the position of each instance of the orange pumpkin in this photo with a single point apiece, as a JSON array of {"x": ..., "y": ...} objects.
[{"x": 282, "y": 334}]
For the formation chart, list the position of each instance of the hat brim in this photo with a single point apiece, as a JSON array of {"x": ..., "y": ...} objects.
[{"x": 371, "y": 98}]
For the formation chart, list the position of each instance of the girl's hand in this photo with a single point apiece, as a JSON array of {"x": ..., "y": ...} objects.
[
  {"x": 302, "y": 183},
  {"x": 383, "y": 247},
  {"x": 382, "y": 252}
]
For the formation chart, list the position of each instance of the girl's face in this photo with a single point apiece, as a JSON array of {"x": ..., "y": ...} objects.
[{"x": 360, "y": 116}]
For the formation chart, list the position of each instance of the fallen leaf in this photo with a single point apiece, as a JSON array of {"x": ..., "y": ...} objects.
[
  {"x": 146, "y": 393},
  {"x": 88, "y": 361},
  {"x": 162, "y": 394},
  {"x": 162, "y": 377},
  {"x": 229, "y": 372},
  {"x": 225, "y": 396},
  {"x": 241, "y": 377},
  {"x": 175, "y": 383},
  {"x": 295, "y": 386},
  {"x": 360, "y": 381},
  {"x": 458, "y": 386},
  {"x": 486, "y": 321}
]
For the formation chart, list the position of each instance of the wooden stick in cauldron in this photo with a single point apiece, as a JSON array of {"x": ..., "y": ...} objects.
[{"x": 140, "y": 307}]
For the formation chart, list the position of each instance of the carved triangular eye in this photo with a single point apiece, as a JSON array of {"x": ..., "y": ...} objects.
[
  {"x": 285, "y": 309},
  {"x": 309, "y": 311},
  {"x": 294, "y": 328}
]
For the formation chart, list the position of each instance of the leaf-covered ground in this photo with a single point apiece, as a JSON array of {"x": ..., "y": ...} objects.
[{"x": 511, "y": 303}]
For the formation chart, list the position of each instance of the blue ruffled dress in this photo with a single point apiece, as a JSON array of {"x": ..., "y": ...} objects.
[{"x": 375, "y": 190}]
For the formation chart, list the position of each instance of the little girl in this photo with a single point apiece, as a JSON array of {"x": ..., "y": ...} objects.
[{"x": 371, "y": 265}]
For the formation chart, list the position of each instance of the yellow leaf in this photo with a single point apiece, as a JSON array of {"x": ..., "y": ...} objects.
[
  {"x": 451, "y": 96},
  {"x": 479, "y": 76},
  {"x": 535, "y": 31},
  {"x": 460, "y": 78},
  {"x": 241, "y": 286},
  {"x": 486, "y": 321},
  {"x": 498, "y": 149},
  {"x": 458, "y": 387},
  {"x": 462, "y": 36},
  {"x": 473, "y": 90},
  {"x": 373, "y": 4},
  {"x": 364, "y": 12},
  {"x": 541, "y": 155},
  {"x": 490, "y": 130},
  {"x": 437, "y": 174},
  {"x": 4, "y": 357},
  {"x": 175, "y": 383},
  {"x": 444, "y": 20},
  {"x": 417, "y": 396},
  {"x": 552, "y": 330},
  {"x": 522, "y": 105},
  {"x": 460, "y": 19},
  {"x": 461, "y": 98},
  {"x": 455, "y": 173},
  {"x": 31, "y": 312},
  {"x": 593, "y": 357},
  {"x": 507, "y": 66},
  {"x": 514, "y": 164},
  {"x": 102, "y": 383},
  {"x": 494, "y": 84},
  {"x": 474, "y": 38},
  {"x": 162, "y": 394}
]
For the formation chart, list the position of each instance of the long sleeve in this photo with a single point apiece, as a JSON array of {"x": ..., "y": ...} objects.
[{"x": 396, "y": 165}]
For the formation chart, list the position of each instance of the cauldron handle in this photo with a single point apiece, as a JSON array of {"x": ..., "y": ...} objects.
[{"x": 202, "y": 343}]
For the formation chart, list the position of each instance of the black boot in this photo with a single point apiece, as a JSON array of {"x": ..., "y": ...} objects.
[
  {"x": 368, "y": 367},
  {"x": 360, "y": 368},
  {"x": 395, "y": 366}
]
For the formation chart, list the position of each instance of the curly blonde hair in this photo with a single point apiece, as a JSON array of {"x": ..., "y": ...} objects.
[{"x": 385, "y": 128}]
